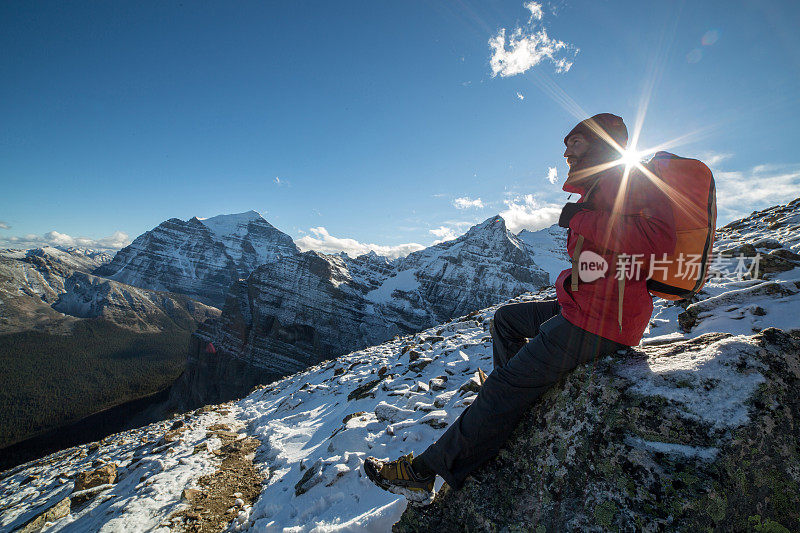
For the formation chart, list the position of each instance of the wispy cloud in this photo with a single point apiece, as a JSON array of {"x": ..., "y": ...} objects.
[
  {"x": 528, "y": 46},
  {"x": 713, "y": 159},
  {"x": 552, "y": 174},
  {"x": 322, "y": 241},
  {"x": 465, "y": 202},
  {"x": 526, "y": 212},
  {"x": 741, "y": 192},
  {"x": 115, "y": 241},
  {"x": 4, "y": 225},
  {"x": 461, "y": 224}
]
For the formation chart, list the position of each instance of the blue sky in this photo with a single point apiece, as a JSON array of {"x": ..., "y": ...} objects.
[{"x": 357, "y": 125}]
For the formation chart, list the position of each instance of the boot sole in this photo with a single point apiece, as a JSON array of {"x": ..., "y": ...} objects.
[{"x": 419, "y": 497}]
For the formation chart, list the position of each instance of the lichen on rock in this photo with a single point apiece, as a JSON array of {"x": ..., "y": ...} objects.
[{"x": 699, "y": 435}]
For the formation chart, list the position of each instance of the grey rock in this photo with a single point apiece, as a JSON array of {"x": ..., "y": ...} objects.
[{"x": 616, "y": 447}]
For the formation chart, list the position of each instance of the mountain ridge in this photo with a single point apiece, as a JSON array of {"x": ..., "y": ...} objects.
[
  {"x": 643, "y": 430},
  {"x": 309, "y": 307}
]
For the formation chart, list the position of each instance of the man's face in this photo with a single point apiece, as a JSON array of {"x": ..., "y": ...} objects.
[{"x": 577, "y": 147}]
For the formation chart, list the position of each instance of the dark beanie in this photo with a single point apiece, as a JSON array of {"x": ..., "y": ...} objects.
[{"x": 611, "y": 124}]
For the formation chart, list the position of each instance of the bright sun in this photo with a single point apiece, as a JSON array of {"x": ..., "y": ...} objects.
[{"x": 630, "y": 157}]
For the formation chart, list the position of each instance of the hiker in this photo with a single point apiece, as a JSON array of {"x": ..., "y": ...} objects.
[{"x": 536, "y": 343}]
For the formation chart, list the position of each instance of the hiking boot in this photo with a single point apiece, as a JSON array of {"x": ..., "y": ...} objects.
[{"x": 399, "y": 477}]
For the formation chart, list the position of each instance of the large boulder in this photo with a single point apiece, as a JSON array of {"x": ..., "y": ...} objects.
[{"x": 699, "y": 435}]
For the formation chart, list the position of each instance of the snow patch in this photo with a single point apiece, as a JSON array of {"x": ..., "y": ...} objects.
[
  {"x": 402, "y": 281},
  {"x": 711, "y": 384}
]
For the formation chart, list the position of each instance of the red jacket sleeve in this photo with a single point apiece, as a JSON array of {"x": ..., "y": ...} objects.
[{"x": 646, "y": 227}]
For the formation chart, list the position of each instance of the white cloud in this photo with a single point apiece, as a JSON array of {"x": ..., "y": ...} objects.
[
  {"x": 115, "y": 241},
  {"x": 526, "y": 212},
  {"x": 552, "y": 174},
  {"x": 4, "y": 225},
  {"x": 536, "y": 11},
  {"x": 527, "y": 47},
  {"x": 741, "y": 192},
  {"x": 322, "y": 241},
  {"x": 520, "y": 96},
  {"x": 444, "y": 233},
  {"x": 465, "y": 202}
]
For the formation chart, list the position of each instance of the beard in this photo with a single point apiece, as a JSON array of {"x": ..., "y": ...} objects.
[
  {"x": 592, "y": 162},
  {"x": 583, "y": 171}
]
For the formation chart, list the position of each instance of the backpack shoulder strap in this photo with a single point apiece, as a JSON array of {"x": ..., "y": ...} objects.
[{"x": 575, "y": 256}]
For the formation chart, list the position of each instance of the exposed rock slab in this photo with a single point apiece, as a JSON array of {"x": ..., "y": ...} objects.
[{"x": 695, "y": 435}]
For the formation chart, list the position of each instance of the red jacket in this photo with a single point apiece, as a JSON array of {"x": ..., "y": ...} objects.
[{"x": 645, "y": 225}]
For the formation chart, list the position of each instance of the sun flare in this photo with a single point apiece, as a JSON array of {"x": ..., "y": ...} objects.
[{"x": 630, "y": 157}]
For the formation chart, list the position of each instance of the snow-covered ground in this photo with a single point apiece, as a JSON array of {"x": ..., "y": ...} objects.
[
  {"x": 395, "y": 397},
  {"x": 316, "y": 427}
]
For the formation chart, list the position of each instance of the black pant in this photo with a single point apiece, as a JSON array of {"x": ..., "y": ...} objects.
[{"x": 523, "y": 371}]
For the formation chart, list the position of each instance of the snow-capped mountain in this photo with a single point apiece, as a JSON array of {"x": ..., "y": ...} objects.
[
  {"x": 31, "y": 281},
  {"x": 486, "y": 265},
  {"x": 88, "y": 296},
  {"x": 199, "y": 257},
  {"x": 46, "y": 289},
  {"x": 692, "y": 428},
  {"x": 309, "y": 307},
  {"x": 549, "y": 248}
]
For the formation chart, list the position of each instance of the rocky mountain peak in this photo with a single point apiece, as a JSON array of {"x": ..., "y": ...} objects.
[
  {"x": 200, "y": 257},
  {"x": 492, "y": 229},
  {"x": 494, "y": 223},
  {"x": 313, "y": 306},
  {"x": 373, "y": 258},
  {"x": 549, "y": 248},
  {"x": 225, "y": 225}
]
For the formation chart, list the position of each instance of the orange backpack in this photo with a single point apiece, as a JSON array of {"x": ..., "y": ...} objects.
[{"x": 689, "y": 185}]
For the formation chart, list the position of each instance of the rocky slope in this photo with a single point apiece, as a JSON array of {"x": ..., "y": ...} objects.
[
  {"x": 31, "y": 281},
  {"x": 47, "y": 289},
  {"x": 199, "y": 257},
  {"x": 309, "y": 307},
  {"x": 486, "y": 265},
  {"x": 73, "y": 345},
  {"x": 549, "y": 248},
  {"x": 688, "y": 436},
  {"x": 88, "y": 296},
  {"x": 696, "y": 429}
]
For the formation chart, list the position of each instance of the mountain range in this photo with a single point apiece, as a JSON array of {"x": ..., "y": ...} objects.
[
  {"x": 692, "y": 430},
  {"x": 50, "y": 289},
  {"x": 283, "y": 309}
]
